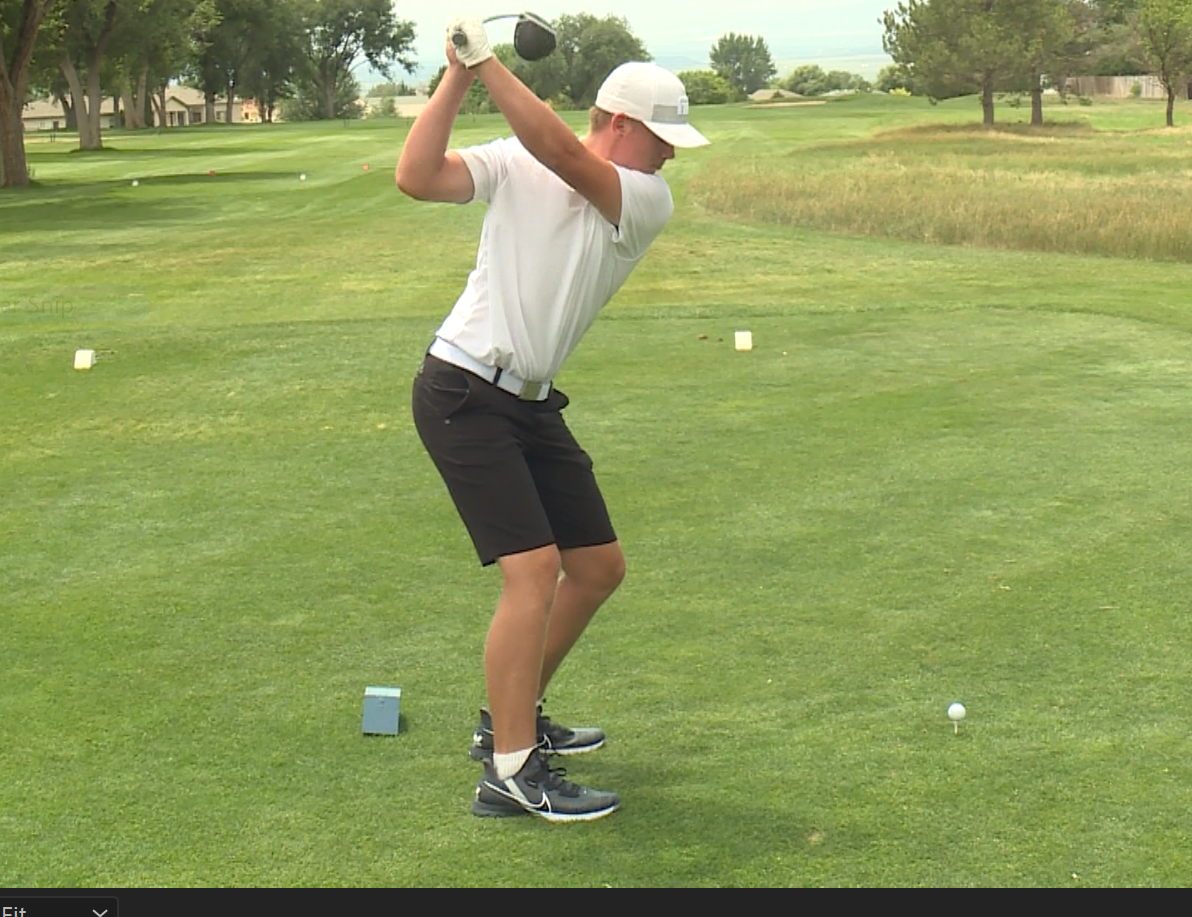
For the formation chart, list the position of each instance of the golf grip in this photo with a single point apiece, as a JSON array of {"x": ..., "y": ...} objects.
[{"x": 460, "y": 40}]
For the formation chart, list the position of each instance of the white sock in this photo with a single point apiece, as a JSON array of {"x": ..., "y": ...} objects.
[{"x": 509, "y": 764}]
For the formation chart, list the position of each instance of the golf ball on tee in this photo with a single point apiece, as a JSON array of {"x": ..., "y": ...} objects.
[{"x": 956, "y": 712}]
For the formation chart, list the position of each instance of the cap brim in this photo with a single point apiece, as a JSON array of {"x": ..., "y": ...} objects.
[{"x": 683, "y": 136}]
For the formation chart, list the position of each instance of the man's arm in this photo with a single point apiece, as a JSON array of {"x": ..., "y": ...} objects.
[
  {"x": 551, "y": 141},
  {"x": 427, "y": 170}
]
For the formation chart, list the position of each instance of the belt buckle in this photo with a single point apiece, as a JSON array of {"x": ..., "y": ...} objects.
[{"x": 532, "y": 390}]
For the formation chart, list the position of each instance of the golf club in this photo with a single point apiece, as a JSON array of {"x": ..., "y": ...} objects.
[{"x": 533, "y": 38}]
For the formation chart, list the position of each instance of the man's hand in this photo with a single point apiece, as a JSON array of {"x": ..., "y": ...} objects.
[{"x": 467, "y": 36}]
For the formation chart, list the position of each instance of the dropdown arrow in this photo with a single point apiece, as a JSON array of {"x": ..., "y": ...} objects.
[{"x": 99, "y": 913}]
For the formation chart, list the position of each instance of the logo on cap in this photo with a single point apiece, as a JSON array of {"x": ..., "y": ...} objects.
[{"x": 671, "y": 114}]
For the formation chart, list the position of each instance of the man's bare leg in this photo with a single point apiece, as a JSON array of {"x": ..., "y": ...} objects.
[
  {"x": 590, "y": 576},
  {"x": 513, "y": 652}
]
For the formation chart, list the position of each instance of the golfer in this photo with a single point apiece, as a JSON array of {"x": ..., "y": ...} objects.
[{"x": 568, "y": 219}]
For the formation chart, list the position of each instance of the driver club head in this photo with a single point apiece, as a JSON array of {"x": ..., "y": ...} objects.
[{"x": 533, "y": 38}]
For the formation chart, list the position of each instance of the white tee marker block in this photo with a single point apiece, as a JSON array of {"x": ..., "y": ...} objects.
[{"x": 382, "y": 711}]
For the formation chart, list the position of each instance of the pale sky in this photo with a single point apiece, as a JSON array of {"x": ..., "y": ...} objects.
[{"x": 837, "y": 34}]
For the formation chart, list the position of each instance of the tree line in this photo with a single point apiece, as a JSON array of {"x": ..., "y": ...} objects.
[
  {"x": 590, "y": 46},
  {"x": 946, "y": 48},
  {"x": 79, "y": 51},
  {"x": 302, "y": 54},
  {"x": 299, "y": 54}
]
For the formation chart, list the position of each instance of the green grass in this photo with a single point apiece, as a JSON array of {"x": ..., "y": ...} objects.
[{"x": 945, "y": 472}]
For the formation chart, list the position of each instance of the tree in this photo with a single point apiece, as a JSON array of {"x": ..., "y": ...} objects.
[
  {"x": 1114, "y": 46},
  {"x": 47, "y": 82},
  {"x": 811, "y": 80},
  {"x": 223, "y": 39},
  {"x": 274, "y": 51},
  {"x": 104, "y": 43},
  {"x": 391, "y": 90},
  {"x": 81, "y": 45},
  {"x": 1044, "y": 31},
  {"x": 308, "y": 103},
  {"x": 1165, "y": 27},
  {"x": 807, "y": 80},
  {"x": 341, "y": 34},
  {"x": 548, "y": 78},
  {"x": 1075, "y": 55},
  {"x": 248, "y": 48},
  {"x": 891, "y": 77},
  {"x": 744, "y": 61},
  {"x": 20, "y": 23},
  {"x": 155, "y": 45},
  {"x": 922, "y": 45},
  {"x": 952, "y": 47},
  {"x": 707, "y": 87},
  {"x": 843, "y": 81},
  {"x": 589, "y": 50}
]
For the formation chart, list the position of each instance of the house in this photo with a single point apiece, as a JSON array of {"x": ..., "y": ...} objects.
[
  {"x": 403, "y": 106},
  {"x": 185, "y": 105},
  {"x": 48, "y": 115},
  {"x": 410, "y": 106}
]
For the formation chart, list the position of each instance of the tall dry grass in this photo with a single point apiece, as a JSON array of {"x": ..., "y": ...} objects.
[{"x": 1056, "y": 190}]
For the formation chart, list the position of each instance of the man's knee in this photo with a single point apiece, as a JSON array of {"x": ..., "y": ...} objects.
[
  {"x": 600, "y": 569},
  {"x": 615, "y": 572},
  {"x": 532, "y": 573}
]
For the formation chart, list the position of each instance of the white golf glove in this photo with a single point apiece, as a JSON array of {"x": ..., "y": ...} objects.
[{"x": 473, "y": 49}]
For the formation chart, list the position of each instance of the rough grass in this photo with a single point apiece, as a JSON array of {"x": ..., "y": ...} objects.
[{"x": 1060, "y": 188}]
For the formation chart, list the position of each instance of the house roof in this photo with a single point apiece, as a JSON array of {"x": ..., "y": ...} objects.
[
  {"x": 42, "y": 109},
  {"x": 194, "y": 98},
  {"x": 50, "y": 108}
]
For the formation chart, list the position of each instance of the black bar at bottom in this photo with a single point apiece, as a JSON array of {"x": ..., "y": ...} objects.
[{"x": 59, "y": 906}]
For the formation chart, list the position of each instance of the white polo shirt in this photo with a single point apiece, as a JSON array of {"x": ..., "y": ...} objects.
[{"x": 548, "y": 261}]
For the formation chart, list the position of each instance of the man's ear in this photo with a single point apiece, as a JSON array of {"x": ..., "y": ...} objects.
[{"x": 621, "y": 124}]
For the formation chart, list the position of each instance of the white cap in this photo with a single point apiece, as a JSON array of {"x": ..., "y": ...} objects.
[{"x": 653, "y": 96}]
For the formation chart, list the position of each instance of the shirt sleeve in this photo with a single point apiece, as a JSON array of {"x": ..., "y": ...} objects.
[
  {"x": 487, "y": 163},
  {"x": 646, "y": 206}
]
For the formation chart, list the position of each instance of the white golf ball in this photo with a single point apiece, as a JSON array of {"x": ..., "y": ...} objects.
[
  {"x": 302, "y": 177},
  {"x": 135, "y": 182},
  {"x": 956, "y": 713}
]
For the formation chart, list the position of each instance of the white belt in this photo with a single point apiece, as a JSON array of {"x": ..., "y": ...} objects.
[{"x": 525, "y": 389}]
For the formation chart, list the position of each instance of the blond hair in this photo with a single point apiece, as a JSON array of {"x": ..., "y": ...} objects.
[{"x": 598, "y": 120}]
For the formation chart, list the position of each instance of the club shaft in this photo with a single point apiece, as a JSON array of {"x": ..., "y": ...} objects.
[{"x": 459, "y": 39}]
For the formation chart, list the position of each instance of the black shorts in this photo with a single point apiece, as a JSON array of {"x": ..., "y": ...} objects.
[{"x": 519, "y": 479}]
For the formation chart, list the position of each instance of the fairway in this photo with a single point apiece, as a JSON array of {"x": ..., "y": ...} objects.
[{"x": 946, "y": 472}]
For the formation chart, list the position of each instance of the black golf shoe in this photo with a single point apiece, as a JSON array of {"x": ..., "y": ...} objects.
[
  {"x": 538, "y": 790},
  {"x": 553, "y": 739}
]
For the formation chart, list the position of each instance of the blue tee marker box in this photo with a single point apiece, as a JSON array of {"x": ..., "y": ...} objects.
[{"x": 382, "y": 709}]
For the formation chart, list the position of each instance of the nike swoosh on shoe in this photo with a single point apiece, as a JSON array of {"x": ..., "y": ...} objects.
[{"x": 542, "y": 805}]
